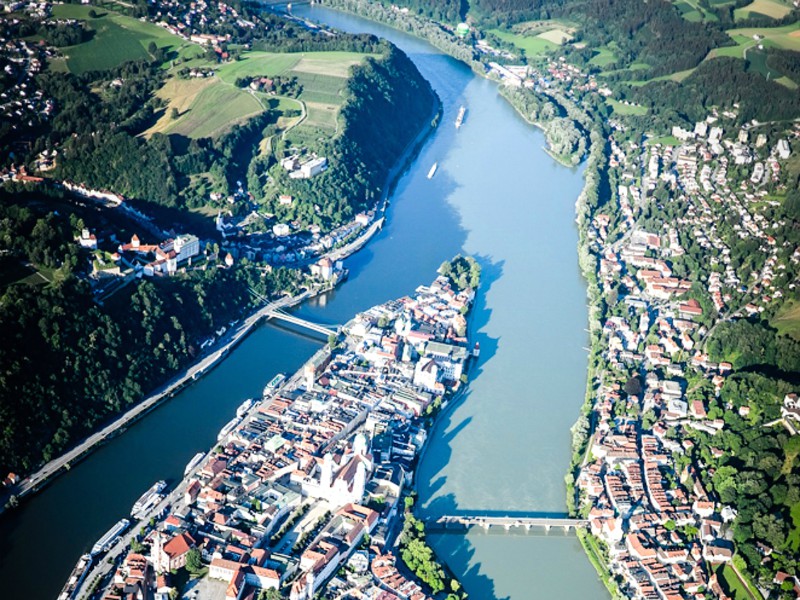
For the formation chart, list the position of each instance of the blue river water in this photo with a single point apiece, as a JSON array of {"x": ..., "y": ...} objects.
[{"x": 506, "y": 445}]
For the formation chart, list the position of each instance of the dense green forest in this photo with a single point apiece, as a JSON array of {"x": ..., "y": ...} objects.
[
  {"x": 380, "y": 93},
  {"x": 757, "y": 470},
  {"x": 63, "y": 375},
  {"x": 721, "y": 82},
  {"x": 747, "y": 344},
  {"x": 444, "y": 11}
]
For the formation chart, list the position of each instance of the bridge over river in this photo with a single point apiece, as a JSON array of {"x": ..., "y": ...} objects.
[
  {"x": 459, "y": 523},
  {"x": 275, "y": 311}
]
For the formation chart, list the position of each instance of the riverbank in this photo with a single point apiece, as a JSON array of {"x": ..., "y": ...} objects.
[{"x": 437, "y": 35}]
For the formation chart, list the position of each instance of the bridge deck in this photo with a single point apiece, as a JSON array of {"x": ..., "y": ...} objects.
[
  {"x": 316, "y": 327},
  {"x": 507, "y": 522}
]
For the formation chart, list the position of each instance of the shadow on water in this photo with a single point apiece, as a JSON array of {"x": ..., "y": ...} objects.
[
  {"x": 459, "y": 552},
  {"x": 446, "y": 430}
]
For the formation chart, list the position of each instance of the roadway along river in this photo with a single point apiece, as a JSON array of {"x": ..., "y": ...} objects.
[{"x": 505, "y": 447}]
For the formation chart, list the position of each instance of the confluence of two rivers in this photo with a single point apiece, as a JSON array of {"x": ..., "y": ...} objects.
[{"x": 504, "y": 447}]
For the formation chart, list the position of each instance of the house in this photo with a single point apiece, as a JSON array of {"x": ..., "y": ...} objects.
[
  {"x": 88, "y": 240},
  {"x": 280, "y": 230}
]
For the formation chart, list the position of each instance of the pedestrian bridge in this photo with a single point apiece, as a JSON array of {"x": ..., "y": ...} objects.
[
  {"x": 274, "y": 310},
  {"x": 527, "y": 522},
  {"x": 280, "y": 315}
]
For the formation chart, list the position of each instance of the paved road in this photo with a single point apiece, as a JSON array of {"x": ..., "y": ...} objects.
[{"x": 228, "y": 341}]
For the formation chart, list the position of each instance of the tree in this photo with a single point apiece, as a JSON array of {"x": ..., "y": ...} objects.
[
  {"x": 194, "y": 561},
  {"x": 174, "y": 114},
  {"x": 633, "y": 387}
]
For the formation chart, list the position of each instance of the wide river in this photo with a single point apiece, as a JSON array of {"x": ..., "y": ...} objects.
[{"x": 505, "y": 447}]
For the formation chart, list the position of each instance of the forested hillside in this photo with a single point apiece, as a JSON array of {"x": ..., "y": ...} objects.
[
  {"x": 380, "y": 93},
  {"x": 68, "y": 363}
]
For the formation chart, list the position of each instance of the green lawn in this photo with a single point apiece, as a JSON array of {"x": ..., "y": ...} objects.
[
  {"x": 530, "y": 45},
  {"x": 215, "y": 110},
  {"x": 624, "y": 109},
  {"x": 604, "y": 56},
  {"x": 793, "y": 540},
  {"x": 770, "y": 8},
  {"x": 731, "y": 583},
  {"x": 787, "y": 321},
  {"x": 117, "y": 38},
  {"x": 664, "y": 140}
]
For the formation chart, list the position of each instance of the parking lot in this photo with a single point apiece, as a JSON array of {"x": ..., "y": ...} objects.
[{"x": 205, "y": 589}]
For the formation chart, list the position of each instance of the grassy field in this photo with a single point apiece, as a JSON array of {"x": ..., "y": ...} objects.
[
  {"x": 759, "y": 63},
  {"x": 258, "y": 64},
  {"x": 604, "y": 57},
  {"x": 730, "y": 582},
  {"x": 787, "y": 321},
  {"x": 624, "y": 109},
  {"x": 179, "y": 94},
  {"x": 665, "y": 140},
  {"x": 321, "y": 115},
  {"x": 530, "y": 45},
  {"x": 323, "y": 89},
  {"x": 536, "y": 38},
  {"x": 211, "y": 106},
  {"x": 770, "y": 8},
  {"x": 786, "y": 37},
  {"x": 557, "y": 36},
  {"x": 793, "y": 540},
  {"x": 215, "y": 110},
  {"x": 335, "y": 64},
  {"x": 678, "y": 76},
  {"x": 692, "y": 11},
  {"x": 117, "y": 38}
]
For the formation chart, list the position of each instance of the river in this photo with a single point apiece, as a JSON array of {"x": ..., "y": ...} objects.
[{"x": 505, "y": 447}]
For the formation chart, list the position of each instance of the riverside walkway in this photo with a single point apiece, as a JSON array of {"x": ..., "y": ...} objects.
[{"x": 456, "y": 523}]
